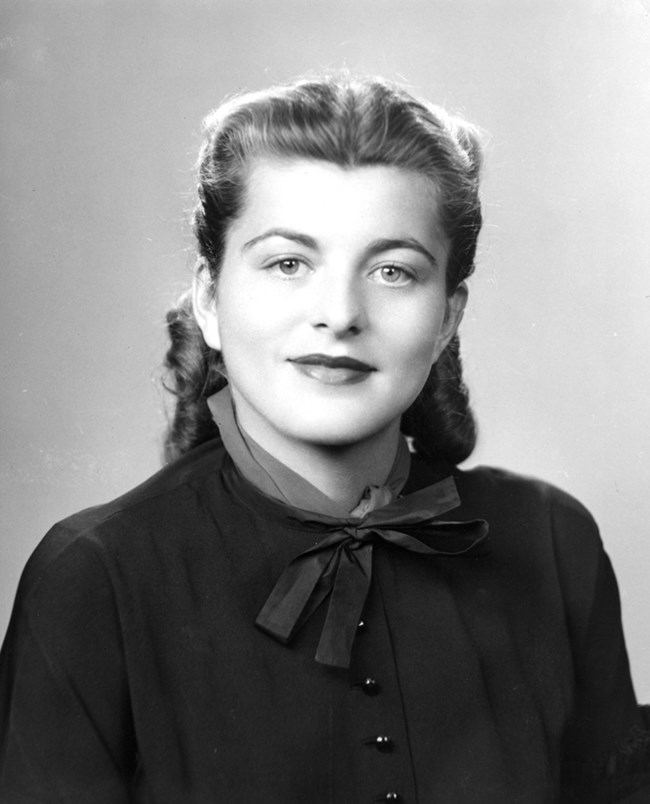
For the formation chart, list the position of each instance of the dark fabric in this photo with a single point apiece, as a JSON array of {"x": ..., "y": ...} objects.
[{"x": 133, "y": 671}]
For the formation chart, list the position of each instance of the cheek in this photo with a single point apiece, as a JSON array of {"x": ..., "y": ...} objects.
[
  {"x": 253, "y": 336},
  {"x": 416, "y": 337},
  {"x": 241, "y": 317}
]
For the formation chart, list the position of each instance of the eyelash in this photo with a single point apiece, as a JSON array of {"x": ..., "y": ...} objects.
[
  {"x": 408, "y": 275},
  {"x": 276, "y": 266}
]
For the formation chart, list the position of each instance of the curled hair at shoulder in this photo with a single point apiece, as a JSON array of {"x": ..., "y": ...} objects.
[
  {"x": 440, "y": 421},
  {"x": 350, "y": 122},
  {"x": 193, "y": 375}
]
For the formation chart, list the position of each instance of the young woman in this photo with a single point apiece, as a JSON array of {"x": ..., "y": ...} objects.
[{"x": 311, "y": 602}]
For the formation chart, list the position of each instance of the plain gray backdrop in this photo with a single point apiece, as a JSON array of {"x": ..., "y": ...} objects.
[{"x": 102, "y": 104}]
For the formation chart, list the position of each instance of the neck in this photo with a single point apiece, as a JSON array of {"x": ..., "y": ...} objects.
[{"x": 342, "y": 472}]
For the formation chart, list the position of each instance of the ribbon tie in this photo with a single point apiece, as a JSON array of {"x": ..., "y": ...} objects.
[{"x": 340, "y": 566}]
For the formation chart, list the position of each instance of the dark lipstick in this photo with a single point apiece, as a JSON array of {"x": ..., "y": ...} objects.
[{"x": 332, "y": 362}]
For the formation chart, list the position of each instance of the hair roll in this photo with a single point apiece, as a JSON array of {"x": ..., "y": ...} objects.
[
  {"x": 193, "y": 375},
  {"x": 440, "y": 421}
]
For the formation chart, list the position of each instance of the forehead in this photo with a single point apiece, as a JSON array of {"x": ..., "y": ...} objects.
[{"x": 326, "y": 200}]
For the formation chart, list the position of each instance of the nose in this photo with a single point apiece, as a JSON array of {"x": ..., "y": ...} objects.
[{"x": 338, "y": 304}]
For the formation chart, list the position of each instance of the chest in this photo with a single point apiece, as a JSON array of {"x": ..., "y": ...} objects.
[{"x": 453, "y": 689}]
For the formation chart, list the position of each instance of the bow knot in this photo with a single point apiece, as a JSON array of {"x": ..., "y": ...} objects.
[
  {"x": 359, "y": 535},
  {"x": 339, "y": 567}
]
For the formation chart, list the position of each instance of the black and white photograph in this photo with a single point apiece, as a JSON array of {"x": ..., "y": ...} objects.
[{"x": 325, "y": 412}]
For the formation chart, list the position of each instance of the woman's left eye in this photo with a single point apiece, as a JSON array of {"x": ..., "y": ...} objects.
[{"x": 392, "y": 275}]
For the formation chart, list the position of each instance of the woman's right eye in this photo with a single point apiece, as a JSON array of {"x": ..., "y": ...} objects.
[{"x": 288, "y": 267}]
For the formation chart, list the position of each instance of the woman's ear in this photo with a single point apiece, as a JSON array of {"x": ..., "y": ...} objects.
[
  {"x": 454, "y": 315},
  {"x": 204, "y": 305}
]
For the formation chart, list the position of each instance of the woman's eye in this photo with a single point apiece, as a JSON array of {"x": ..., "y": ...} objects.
[
  {"x": 392, "y": 275},
  {"x": 289, "y": 267}
]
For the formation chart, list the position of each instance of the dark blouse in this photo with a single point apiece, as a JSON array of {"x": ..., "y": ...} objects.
[{"x": 133, "y": 671}]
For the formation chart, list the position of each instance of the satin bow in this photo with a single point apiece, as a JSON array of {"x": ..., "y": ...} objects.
[{"x": 340, "y": 566}]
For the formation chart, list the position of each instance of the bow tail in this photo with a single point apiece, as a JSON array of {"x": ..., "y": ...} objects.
[
  {"x": 345, "y": 607},
  {"x": 301, "y": 588}
]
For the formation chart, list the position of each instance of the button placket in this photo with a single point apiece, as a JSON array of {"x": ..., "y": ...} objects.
[{"x": 379, "y": 729}]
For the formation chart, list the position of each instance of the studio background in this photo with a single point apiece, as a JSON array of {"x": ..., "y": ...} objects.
[{"x": 101, "y": 110}]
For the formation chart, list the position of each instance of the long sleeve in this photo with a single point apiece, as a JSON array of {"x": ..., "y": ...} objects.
[
  {"x": 607, "y": 745},
  {"x": 64, "y": 714}
]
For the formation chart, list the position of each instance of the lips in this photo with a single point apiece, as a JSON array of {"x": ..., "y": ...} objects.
[
  {"x": 332, "y": 370},
  {"x": 332, "y": 362}
]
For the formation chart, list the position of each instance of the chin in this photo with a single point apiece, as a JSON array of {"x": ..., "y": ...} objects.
[{"x": 341, "y": 432}]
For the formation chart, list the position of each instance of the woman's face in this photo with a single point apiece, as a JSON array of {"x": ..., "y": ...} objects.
[{"x": 331, "y": 304}]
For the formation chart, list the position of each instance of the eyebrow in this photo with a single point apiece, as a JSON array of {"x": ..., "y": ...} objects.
[
  {"x": 287, "y": 234},
  {"x": 374, "y": 248},
  {"x": 389, "y": 244}
]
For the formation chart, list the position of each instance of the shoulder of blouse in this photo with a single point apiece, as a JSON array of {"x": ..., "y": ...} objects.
[
  {"x": 520, "y": 498},
  {"x": 170, "y": 493},
  {"x": 535, "y": 522},
  {"x": 491, "y": 481}
]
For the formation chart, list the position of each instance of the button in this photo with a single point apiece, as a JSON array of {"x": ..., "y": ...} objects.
[
  {"x": 389, "y": 797},
  {"x": 361, "y": 626},
  {"x": 381, "y": 742},
  {"x": 369, "y": 686}
]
